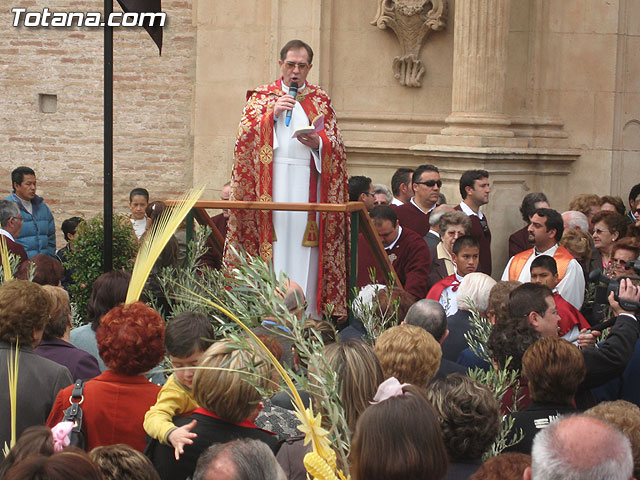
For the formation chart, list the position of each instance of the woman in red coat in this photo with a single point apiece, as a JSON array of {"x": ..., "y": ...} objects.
[{"x": 130, "y": 341}]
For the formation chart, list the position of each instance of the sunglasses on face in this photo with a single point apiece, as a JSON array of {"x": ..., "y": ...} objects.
[{"x": 430, "y": 183}]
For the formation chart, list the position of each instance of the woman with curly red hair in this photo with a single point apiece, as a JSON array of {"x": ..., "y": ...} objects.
[{"x": 130, "y": 341}]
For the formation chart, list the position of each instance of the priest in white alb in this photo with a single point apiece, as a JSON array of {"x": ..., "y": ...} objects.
[{"x": 271, "y": 165}]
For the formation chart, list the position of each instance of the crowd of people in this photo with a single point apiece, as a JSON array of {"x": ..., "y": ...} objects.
[
  {"x": 95, "y": 402},
  {"x": 411, "y": 407}
]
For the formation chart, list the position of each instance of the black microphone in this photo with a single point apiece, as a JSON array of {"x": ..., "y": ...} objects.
[{"x": 293, "y": 91}]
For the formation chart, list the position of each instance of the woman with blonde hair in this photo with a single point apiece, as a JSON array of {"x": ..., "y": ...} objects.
[
  {"x": 229, "y": 404},
  {"x": 359, "y": 374},
  {"x": 579, "y": 245},
  {"x": 408, "y": 353}
]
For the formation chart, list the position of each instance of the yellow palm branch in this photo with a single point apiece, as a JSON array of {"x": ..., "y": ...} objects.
[
  {"x": 156, "y": 239},
  {"x": 311, "y": 425},
  {"x": 12, "y": 367},
  {"x": 4, "y": 254}
]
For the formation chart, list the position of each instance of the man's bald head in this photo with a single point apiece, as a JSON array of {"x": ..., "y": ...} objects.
[
  {"x": 238, "y": 460},
  {"x": 429, "y": 315},
  {"x": 222, "y": 467},
  {"x": 580, "y": 447}
]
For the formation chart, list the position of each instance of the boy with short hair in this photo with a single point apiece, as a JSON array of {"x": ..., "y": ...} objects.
[
  {"x": 544, "y": 271},
  {"x": 466, "y": 256},
  {"x": 187, "y": 337}
]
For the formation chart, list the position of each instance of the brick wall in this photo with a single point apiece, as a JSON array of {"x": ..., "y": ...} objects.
[{"x": 153, "y": 96}]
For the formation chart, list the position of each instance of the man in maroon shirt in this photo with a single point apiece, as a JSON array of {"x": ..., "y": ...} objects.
[
  {"x": 414, "y": 214},
  {"x": 475, "y": 190},
  {"x": 407, "y": 251},
  {"x": 401, "y": 186}
]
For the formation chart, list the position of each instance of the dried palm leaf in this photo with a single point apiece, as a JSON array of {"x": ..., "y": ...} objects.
[
  {"x": 6, "y": 263},
  {"x": 156, "y": 239}
]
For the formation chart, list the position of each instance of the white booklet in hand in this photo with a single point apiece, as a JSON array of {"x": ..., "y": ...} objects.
[{"x": 315, "y": 127}]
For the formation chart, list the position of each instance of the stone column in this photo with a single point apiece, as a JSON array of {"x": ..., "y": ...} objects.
[{"x": 481, "y": 30}]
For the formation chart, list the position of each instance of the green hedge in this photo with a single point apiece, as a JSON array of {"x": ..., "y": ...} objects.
[{"x": 86, "y": 259}]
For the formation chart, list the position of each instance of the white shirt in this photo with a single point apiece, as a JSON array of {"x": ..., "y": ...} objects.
[
  {"x": 396, "y": 240},
  {"x": 571, "y": 287},
  {"x": 139, "y": 226},
  {"x": 397, "y": 202},
  {"x": 468, "y": 212},
  {"x": 449, "y": 298},
  {"x": 7, "y": 234}
]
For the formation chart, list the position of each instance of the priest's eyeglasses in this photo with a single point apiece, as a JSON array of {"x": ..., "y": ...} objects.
[{"x": 292, "y": 65}]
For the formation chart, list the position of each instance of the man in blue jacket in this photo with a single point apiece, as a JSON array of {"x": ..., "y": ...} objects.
[{"x": 38, "y": 234}]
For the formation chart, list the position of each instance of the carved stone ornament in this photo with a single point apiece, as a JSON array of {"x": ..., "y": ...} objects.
[{"x": 412, "y": 21}]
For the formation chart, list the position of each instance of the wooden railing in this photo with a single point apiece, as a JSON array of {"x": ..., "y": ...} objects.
[{"x": 360, "y": 221}]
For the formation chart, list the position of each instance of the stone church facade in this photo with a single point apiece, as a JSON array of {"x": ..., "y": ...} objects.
[{"x": 545, "y": 94}]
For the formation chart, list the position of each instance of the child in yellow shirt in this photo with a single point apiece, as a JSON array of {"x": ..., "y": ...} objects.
[{"x": 187, "y": 336}]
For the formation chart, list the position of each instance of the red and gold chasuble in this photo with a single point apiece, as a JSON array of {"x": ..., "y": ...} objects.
[{"x": 252, "y": 180}]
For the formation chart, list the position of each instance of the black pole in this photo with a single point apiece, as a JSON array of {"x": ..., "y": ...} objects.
[{"x": 108, "y": 138}]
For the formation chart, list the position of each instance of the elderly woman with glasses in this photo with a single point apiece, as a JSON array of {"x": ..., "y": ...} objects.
[
  {"x": 608, "y": 227},
  {"x": 453, "y": 225},
  {"x": 623, "y": 252}
]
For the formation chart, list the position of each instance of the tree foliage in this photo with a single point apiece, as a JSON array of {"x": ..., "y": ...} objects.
[{"x": 86, "y": 260}]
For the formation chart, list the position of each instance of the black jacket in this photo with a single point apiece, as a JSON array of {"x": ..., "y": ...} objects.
[
  {"x": 210, "y": 430},
  {"x": 534, "y": 418},
  {"x": 610, "y": 358}
]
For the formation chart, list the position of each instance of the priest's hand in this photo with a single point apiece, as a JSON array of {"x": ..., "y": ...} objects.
[
  {"x": 285, "y": 102},
  {"x": 311, "y": 140}
]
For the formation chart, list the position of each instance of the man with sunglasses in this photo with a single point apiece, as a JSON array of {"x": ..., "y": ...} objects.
[
  {"x": 271, "y": 165},
  {"x": 475, "y": 190},
  {"x": 414, "y": 214}
]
